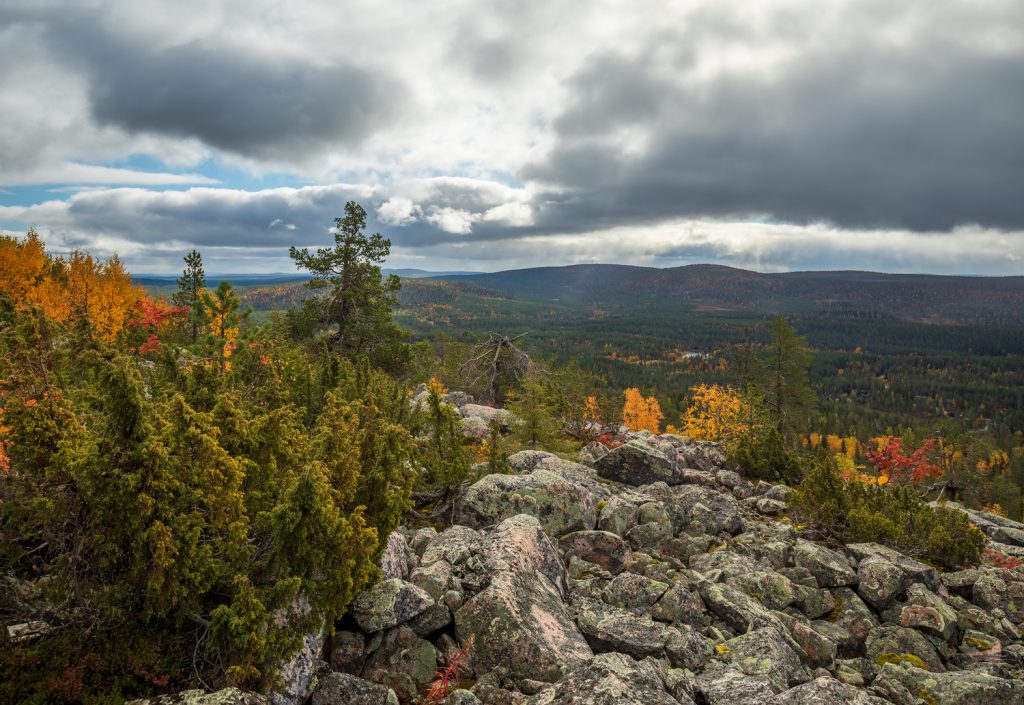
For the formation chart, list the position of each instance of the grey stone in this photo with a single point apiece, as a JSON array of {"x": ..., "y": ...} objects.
[
  {"x": 636, "y": 463},
  {"x": 601, "y": 548},
  {"x": 609, "y": 679},
  {"x": 519, "y": 545},
  {"x": 346, "y": 689},
  {"x": 636, "y": 593},
  {"x": 394, "y": 562},
  {"x": 829, "y": 568},
  {"x": 560, "y": 505},
  {"x": 889, "y": 642},
  {"x": 765, "y": 652},
  {"x": 404, "y": 662},
  {"x": 880, "y": 582},
  {"x": 617, "y": 516},
  {"x": 954, "y": 688},
  {"x": 227, "y": 696},
  {"x": 824, "y": 690},
  {"x": 520, "y": 622},
  {"x": 389, "y": 603}
]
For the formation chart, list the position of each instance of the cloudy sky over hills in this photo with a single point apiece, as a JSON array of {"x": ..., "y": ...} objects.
[{"x": 486, "y": 135}]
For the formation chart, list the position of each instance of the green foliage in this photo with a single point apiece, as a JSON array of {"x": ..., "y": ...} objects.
[
  {"x": 443, "y": 455},
  {"x": 381, "y": 442},
  {"x": 893, "y": 515},
  {"x": 191, "y": 284},
  {"x": 762, "y": 454},
  {"x": 536, "y": 426},
  {"x": 187, "y": 504},
  {"x": 781, "y": 379},
  {"x": 356, "y": 306}
]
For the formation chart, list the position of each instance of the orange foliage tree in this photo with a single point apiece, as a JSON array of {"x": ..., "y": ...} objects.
[
  {"x": 641, "y": 413},
  {"x": 76, "y": 287},
  {"x": 714, "y": 413}
]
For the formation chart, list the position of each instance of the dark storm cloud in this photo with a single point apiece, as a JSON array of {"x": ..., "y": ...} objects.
[
  {"x": 925, "y": 140},
  {"x": 234, "y": 99},
  {"x": 250, "y": 106}
]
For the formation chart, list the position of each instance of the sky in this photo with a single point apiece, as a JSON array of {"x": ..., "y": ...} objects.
[{"x": 485, "y": 135}]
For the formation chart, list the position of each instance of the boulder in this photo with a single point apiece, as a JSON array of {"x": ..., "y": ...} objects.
[
  {"x": 504, "y": 417},
  {"x": 617, "y": 516},
  {"x": 700, "y": 510},
  {"x": 771, "y": 589},
  {"x": 635, "y": 593},
  {"x": 738, "y": 610},
  {"x": 520, "y": 622},
  {"x": 916, "y": 571},
  {"x": 560, "y": 505},
  {"x": 404, "y": 662},
  {"x": 457, "y": 545},
  {"x": 228, "y": 696},
  {"x": 720, "y": 684},
  {"x": 475, "y": 427},
  {"x": 892, "y": 644},
  {"x": 829, "y": 568},
  {"x": 896, "y": 681},
  {"x": 880, "y": 583},
  {"x": 687, "y": 648},
  {"x": 680, "y": 605},
  {"x": 527, "y": 461},
  {"x": 1003, "y": 590},
  {"x": 927, "y": 612},
  {"x": 348, "y": 651},
  {"x": 388, "y": 604},
  {"x": 636, "y": 463},
  {"x": 346, "y": 689},
  {"x": 519, "y": 545},
  {"x": 608, "y": 628},
  {"x": 765, "y": 652},
  {"x": 592, "y": 452},
  {"x": 609, "y": 679},
  {"x": 601, "y": 548},
  {"x": 824, "y": 690},
  {"x": 819, "y": 649},
  {"x": 394, "y": 562}
]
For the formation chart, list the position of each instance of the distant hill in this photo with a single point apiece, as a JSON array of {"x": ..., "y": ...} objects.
[
  {"x": 715, "y": 288},
  {"x": 164, "y": 280}
]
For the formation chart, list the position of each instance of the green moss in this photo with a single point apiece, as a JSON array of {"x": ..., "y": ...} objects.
[
  {"x": 910, "y": 659},
  {"x": 927, "y": 697},
  {"x": 722, "y": 649},
  {"x": 837, "y": 611},
  {"x": 601, "y": 504},
  {"x": 980, "y": 644}
]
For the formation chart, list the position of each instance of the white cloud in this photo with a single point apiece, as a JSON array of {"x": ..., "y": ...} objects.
[
  {"x": 399, "y": 211},
  {"x": 453, "y": 220}
]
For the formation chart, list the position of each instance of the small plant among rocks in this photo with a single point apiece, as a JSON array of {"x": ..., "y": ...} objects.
[{"x": 457, "y": 663}]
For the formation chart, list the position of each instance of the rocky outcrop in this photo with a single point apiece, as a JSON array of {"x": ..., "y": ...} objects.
[{"x": 658, "y": 576}]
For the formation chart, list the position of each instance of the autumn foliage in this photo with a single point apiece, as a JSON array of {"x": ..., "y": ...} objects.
[
  {"x": 893, "y": 463},
  {"x": 714, "y": 414},
  {"x": 78, "y": 287},
  {"x": 641, "y": 413},
  {"x": 456, "y": 664}
]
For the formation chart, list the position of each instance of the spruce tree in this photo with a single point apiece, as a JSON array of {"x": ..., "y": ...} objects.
[
  {"x": 191, "y": 284},
  {"x": 783, "y": 384}
]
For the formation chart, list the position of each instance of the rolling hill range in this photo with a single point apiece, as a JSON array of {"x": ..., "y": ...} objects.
[{"x": 910, "y": 297}]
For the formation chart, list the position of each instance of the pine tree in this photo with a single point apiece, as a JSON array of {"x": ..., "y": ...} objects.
[
  {"x": 358, "y": 302},
  {"x": 191, "y": 285}
]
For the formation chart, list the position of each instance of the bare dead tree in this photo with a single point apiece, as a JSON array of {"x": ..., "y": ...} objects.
[{"x": 497, "y": 363}]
